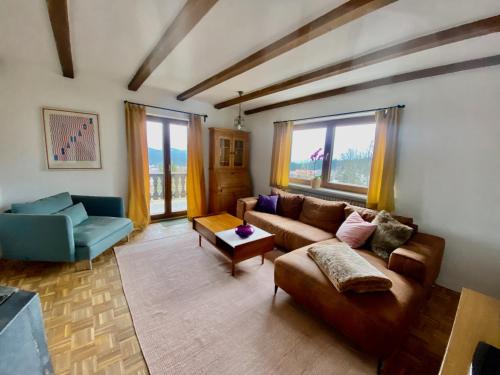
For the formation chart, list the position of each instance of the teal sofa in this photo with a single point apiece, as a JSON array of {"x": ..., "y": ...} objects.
[{"x": 52, "y": 229}]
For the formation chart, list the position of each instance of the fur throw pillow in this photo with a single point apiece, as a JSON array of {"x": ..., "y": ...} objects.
[
  {"x": 347, "y": 270},
  {"x": 389, "y": 235}
]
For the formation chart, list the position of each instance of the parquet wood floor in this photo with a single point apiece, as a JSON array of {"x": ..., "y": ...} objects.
[{"x": 90, "y": 331}]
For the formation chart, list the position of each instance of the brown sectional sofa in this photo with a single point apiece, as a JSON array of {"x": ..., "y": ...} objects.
[{"x": 375, "y": 322}]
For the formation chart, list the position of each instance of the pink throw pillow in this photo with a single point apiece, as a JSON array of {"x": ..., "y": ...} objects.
[{"x": 354, "y": 231}]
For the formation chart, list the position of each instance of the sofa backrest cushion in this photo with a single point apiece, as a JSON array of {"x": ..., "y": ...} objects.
[
  {"x": 369, "y": 214},
  {"x": 323, "y": 214},
  {"x": 289, "y": 205},
  {"x": 77, "y": 213},
  {"x": 44, "y": 206}
]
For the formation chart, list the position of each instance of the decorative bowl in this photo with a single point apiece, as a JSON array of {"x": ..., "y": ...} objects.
[{"x": 244, "y": 231}]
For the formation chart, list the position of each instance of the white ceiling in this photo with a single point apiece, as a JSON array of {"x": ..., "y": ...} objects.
[{"x": 111, "y": 38}]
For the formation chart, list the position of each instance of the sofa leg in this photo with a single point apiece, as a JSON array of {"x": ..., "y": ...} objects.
[
  {"x": 128, "y": 237},
  {"x": 275, "y": 289},
  {"x": 380, "y": 366},
  {"x": 84, "y": 265}
]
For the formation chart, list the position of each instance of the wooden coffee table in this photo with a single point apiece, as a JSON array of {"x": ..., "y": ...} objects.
[{"x": 219, "y": 231}]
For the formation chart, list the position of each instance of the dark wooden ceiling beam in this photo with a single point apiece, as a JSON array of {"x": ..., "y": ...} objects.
[
  {"x": 337, "y": 17},
  {"x": 59, "y": 20},
  {"x": 452, "y": 35},
  {"x": 192, "y": 12},
  {"x": 423, "y": 73}
]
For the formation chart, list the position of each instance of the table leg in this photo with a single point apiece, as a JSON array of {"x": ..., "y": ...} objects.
[
  {"x": 199, "y": 240},
  {"x": 232, "y": 268},
  {"x": 262, "y": 259}
]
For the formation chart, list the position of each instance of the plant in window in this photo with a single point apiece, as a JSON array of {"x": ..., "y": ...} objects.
[{"x": 316, "y": 156}]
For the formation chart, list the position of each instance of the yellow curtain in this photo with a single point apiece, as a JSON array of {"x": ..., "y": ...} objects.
[
  {"x": 381, "y": 188},
  {"x": 282, "y": 148},
  {"x": 138, "y": 169},
  {"x": 195, "y": 182}
]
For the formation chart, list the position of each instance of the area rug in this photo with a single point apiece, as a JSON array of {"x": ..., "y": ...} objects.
[{"x": 192, "y": 317}]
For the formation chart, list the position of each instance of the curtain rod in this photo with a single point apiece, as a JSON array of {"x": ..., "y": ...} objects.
[
  {"x": 169, "y": 109},
  {"x": 345, "y": 113}
]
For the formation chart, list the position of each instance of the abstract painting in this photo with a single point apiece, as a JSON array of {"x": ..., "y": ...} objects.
[{"x": 71, "y": 139}]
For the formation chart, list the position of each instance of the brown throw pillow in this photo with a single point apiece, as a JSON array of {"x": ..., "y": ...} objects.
[
  {"x": 322, "y": 214},
  {"x": 289, "y": 205},
  {"x": 389, "y": 235},
  {"x": 366, "y": 213},
  {"x": 369, "y": 215}
]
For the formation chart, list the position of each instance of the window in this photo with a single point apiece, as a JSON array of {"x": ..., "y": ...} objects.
[{"x": 339, "y": 152}]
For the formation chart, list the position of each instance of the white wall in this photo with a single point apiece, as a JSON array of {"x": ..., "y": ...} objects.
[
  {"x": 448, "y": 172},
  {"x": 23, "y": 170}
]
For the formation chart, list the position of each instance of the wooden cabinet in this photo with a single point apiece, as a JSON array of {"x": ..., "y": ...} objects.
[{"x": 228, "y": 169}]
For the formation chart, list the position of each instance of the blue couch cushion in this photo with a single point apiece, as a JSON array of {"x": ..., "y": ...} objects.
[
  {"x": 76, "y": 213},
  {"x": 44, "y": 206},
  {"x": 90, "y": 252},
  {"x": 96, "y": 228}
]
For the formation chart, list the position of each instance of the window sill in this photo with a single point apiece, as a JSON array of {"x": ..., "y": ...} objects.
[{"x": 330, "y": 192}]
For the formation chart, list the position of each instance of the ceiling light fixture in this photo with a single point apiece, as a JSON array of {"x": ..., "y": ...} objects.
[{"x": 239, "y": 121}]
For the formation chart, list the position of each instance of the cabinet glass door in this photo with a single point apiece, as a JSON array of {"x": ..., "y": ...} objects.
[
  {"x": 239, "y": 152},
  {"x": 224, "y": 152}
]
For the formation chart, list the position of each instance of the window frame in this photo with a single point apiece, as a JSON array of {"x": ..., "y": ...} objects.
[{"x": 330, "y": 126}]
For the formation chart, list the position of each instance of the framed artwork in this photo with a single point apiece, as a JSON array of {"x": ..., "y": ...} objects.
[{"x": 71, "y": 139}]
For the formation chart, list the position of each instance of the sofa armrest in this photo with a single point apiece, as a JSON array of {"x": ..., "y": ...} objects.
[
  {"x": 101, "y": 206},
  {"x": 37, "y": 237},
  {"x": 245, "y": 204},
  {"x": 420, "y": 258}
]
